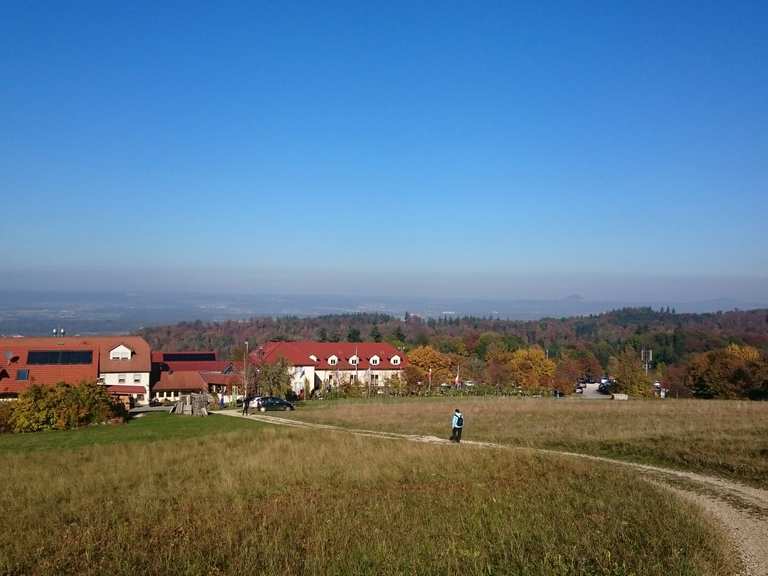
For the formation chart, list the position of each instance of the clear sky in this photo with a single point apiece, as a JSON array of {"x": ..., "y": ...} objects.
[{"x": 505, "y": 149}]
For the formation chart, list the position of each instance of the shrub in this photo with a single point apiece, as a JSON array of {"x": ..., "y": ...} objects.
[
  {"x": 6, "y": 412},
  {"x": 62, "y": 407}
]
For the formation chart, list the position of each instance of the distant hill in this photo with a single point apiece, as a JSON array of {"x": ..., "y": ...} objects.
[{"x": 37, "y": 313}]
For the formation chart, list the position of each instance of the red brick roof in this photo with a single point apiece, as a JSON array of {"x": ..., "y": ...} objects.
[
  {"x": 300, "y": 354},
  {"x": 14, "y": 357},
  {"x": 183, "y": 380}
]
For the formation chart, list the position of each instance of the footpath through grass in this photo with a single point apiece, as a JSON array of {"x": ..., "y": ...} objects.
[
  {"x": 226, "y": 496},
  {"x": 728, "y": 438}
]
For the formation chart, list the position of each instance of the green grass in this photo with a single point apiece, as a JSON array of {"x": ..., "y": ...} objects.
[
  {"x": 153, "y": 427},
  {"x": 226, "y": 496},
  {"x": 727, "y": 438}
]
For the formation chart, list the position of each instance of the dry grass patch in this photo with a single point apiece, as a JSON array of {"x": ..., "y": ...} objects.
[
  {"x": 729, "y": 438},
  {"x": 277, "y": 501}
]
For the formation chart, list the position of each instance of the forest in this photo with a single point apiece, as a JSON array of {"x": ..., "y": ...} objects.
[{"x": 714, "y": 355}]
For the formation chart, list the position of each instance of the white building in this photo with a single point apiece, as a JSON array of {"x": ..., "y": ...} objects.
[{"x": 324, "y": 365}]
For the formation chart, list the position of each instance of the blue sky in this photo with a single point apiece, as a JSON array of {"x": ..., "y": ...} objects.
[{"x": 476, "y": 149}]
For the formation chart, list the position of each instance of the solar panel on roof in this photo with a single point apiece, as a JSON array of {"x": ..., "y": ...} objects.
[
  {"x": 60, "y": 357},
  {"x": 189, "y": 357}
]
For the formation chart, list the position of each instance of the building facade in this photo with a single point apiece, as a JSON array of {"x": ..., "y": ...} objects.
[
  {"x": 120, "y": 363},
  {"x": 320, "y": 366}
]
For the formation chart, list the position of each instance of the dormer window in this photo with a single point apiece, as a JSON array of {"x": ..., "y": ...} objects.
[
  {"x": 395, "y": 360},
  {"x": 354, "y": 360},
  {"x": 313, "y": 357},
  {"x": 374, "y": 360},
  {"x": 333, "y": 360},
  {"x": 121, "y": 352}
]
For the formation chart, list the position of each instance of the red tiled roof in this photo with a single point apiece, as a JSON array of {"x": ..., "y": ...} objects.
[
  {"x": 300, "y": 354},
  {"x": 14, "y": 357},
  {"x": 221, "y": 379},
  {"x": 13, "y": 387},
  {"x": 184, "y": 365},
  {"x": 119, "y": 389},
  {"x": 203, "y": 365},
  {"x": 141, "y": 360},
  {"x": 182, "y": 380}
]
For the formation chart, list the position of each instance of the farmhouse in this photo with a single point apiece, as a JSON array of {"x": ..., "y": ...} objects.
[
  {"x": 177, "y": 373},
  {"x": 121, "y": 363},
  {"x": 326, "y": 365}
]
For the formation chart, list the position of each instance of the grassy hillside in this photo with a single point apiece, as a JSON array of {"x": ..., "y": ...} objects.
[
  {"x": 230, "y": 497},
  {"x": 723, "y": 437}
]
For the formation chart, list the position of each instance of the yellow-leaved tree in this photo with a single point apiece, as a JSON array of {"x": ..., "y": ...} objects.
[{"x": 531, "y": 369}]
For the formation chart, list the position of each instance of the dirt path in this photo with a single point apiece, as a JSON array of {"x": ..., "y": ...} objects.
[{"x": 741, "y": 510}]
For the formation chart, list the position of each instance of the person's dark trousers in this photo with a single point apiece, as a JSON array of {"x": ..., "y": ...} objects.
[
  {"x": 456, "y": 435},
  {"x": 245, "y": 407}
]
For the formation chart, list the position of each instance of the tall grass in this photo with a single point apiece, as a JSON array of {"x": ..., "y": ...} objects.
[
  {"x": 729, "y": 438},
  {"x": 275, "y": 501}
]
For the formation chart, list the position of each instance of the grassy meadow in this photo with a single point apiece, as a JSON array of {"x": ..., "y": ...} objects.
[
  {"x": 225, "y": 496},
  {"x": 727, "y": 438}
]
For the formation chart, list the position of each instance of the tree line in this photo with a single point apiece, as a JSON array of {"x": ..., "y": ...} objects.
[{"x": 716, "y": 355}]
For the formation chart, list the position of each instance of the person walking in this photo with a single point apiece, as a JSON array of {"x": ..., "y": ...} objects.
[
  {"x": 457, "y": 423},
  {"x": 246, "y": 401}
]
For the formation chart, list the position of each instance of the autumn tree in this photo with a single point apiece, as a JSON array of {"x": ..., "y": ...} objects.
[
  {"x": 628, "y": 371},
  {"x": 731, "y": 372},
  {"x": 498, "y": 371},
  {"x": 530, "y": 368},
  {"x": 425, "y": 358},
  {"x": 274, "y": 377}
]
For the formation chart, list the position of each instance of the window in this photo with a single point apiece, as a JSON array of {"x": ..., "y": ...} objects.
[
  {"x": 333, "y": 360},
  {"x": 59, "y": 357},
  {"x": 22, "y": 374},
  {"x": 137, "y": 378},
  {"x": 374, "y": 360},
  {"x": 395, "y": 360},
  {"x": 121, "y": 352},
  {"x": 353, "y": 360},
  {"x": 121, "y": 378}
]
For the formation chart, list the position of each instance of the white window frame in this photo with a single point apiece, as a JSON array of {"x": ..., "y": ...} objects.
[
  {"x": 121, "y": 378},
  {"x": 354, "y": 360},
  {"x": 375, "y": 360},
  {"x": 333, "y": 360},
  {"x": 395, "y": 360}
]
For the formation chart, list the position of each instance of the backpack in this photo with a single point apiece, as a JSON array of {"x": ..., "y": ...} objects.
[{"x": 459, "y": 421}]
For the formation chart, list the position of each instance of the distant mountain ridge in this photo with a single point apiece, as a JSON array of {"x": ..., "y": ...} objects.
[{"x": 37, "y": 313}]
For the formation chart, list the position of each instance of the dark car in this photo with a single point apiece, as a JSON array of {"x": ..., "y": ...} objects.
[{"x": 273, "y": 403}]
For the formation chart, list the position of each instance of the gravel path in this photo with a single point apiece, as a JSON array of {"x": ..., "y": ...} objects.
[{"x": 741, "y": 510}]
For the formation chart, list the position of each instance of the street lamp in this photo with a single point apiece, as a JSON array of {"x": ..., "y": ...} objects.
[{"x": 245, "y": 370}]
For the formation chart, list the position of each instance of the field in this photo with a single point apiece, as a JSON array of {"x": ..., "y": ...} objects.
[
  {"x": 173, "y": 495},
  {"x": 726, "y": 438}
]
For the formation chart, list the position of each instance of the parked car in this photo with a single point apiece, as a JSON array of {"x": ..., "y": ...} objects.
[{"x": 264, "y": 403}]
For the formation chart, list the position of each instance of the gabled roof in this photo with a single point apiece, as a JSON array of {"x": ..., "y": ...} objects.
[
  {"x": 183, "y": 380},
  {"x": 14, "y": 353},
  {"x": 300, "y": 353},
  {"x": 160, "y": 363}
]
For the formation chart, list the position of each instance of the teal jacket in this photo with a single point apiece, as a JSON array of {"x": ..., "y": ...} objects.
[{"x": 455, "y": 422}]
